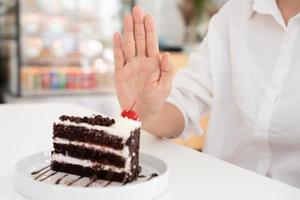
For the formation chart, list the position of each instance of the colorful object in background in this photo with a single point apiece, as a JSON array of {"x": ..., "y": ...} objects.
[
  {"x": 54, "y": 80},
  {"x": 46, "y": 79}
]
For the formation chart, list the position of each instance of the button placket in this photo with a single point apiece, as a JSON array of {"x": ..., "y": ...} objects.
[
  {"x": 273, "y": 92},
  {"x": 279, "y": 75},
  {"x": 263, "y": 161}
]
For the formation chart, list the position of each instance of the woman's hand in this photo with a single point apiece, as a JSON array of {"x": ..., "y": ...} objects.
[{"x": 143, "y": 79}]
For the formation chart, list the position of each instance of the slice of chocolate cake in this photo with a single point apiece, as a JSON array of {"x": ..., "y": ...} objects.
[{"x": 97, "y": 146}]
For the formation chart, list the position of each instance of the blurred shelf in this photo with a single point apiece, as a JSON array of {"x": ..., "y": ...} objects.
[
  {"x": 55, "y": 61},
  {"x": 59, "y": 92},
  {"x": 8, "y": 38},
  {"x": 52, "y": 80},
  {"x": 71, "y": 15}
]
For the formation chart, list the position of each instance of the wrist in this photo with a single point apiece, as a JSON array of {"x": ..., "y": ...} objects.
[{"x": 149, "y": 118}]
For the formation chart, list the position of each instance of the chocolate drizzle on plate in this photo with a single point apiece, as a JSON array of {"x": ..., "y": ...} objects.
[
  {"x": 152, "y": 176},
  {"x": 107, "y": 184},
  {"x": 92, "y": 180},
  {"x": 60, "y": 179},
  {"x": 41, "y": 175},
  {"x": 38, "y": 171},
  {"x": 72, "y": 182},
  {"x": 125, "y": 183},
  {"x": 52, "y": 174}
]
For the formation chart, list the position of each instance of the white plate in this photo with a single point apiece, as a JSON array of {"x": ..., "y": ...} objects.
[{"x": 144, "y": 188}]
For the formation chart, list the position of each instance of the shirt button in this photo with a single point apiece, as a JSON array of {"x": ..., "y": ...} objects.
[
  {"x": 273, "y": 93},
  {"x": 275, "y": 98},
  {"x": 261, "y": 125},
  {"x": 275, "y": 87}
]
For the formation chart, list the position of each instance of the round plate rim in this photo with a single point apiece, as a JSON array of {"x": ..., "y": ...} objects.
[{"x": 164, "y": 174}]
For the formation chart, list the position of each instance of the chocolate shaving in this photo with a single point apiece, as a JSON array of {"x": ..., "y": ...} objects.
[{"x": 96, "y": 120}]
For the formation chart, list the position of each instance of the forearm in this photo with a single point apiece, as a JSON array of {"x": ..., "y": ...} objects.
[{"x": 167, "y": 122}]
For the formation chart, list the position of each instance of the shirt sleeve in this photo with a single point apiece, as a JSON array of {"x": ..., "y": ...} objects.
[{"x": 192, "y": 90}]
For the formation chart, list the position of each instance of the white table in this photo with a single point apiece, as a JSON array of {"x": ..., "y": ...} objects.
[{"x": 26, "y": 129}]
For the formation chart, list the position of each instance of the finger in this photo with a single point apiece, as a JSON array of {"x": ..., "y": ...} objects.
[
  {"x": 129, "y": 46},
  {"x": 118, "y": 51},
  {"x": 139, "y": 31},
  {"x": 151, "y": 37},
  {"x": 166, "y": 69}
]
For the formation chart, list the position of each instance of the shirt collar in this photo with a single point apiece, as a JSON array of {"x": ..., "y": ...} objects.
[{"x": 266, "y": 7}]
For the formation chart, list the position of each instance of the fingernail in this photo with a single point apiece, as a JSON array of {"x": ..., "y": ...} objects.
[
  {"x": 137, "y": 9},
  {"x": 116, "y": 35},
  {"x": 128, "y": 15}
]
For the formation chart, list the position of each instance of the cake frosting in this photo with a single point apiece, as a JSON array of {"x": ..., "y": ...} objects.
[{"x": 121, "y": 128}]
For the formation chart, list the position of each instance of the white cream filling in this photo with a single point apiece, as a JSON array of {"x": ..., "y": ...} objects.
[
  {"x": 87, "y": 163},
  {"x": 121, "y": 128},
  {"x": 124, "y": 153}
]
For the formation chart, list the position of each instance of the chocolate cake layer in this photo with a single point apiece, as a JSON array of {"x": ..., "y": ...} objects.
[
  {"x": 96, "y": 120},
  {"x": 92, "y": 136},
  {"x": 94, "y": 155},
  {"x": 88, "y": 172},
  {"x": 82, "y": 146}
]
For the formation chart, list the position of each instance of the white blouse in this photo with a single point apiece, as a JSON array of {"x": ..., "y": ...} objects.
[{"x": 246, "y": 74}]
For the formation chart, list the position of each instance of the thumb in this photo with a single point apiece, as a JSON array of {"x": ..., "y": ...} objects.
[{"x": 166, "y": 69}]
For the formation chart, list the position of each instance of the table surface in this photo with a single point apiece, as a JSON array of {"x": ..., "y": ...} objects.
[{"x": 26, "y": 129}]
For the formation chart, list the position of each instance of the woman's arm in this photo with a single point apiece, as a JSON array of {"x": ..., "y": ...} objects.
[{"x": 167, "y": 122}]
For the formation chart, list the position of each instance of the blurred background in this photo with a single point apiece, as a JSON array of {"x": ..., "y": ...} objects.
[{"x": 61, "y": 50}]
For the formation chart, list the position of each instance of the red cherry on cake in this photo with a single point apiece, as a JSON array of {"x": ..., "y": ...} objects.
[{"x": 130, "y": 114}]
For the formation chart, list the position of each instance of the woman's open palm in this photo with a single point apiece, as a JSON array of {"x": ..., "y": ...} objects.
[{"x": 143, "y": 78}]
